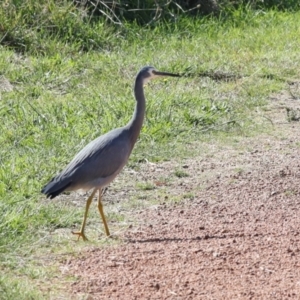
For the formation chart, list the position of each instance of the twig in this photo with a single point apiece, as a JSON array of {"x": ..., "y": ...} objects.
[
  {"x": 104, "y": 13},
  {"x": 185, "y": 11}
]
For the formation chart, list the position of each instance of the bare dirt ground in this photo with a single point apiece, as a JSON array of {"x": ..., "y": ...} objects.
[{"x": 234, "y": 236}]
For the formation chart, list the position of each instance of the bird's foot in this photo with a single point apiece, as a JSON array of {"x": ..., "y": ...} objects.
[
  {"x": 113, "y": 237},
  {"x": 80, "y": 234}
]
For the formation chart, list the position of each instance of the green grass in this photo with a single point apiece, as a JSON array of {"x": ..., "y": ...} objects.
[
  {"x": 64, "y": 96},
  {"x": 180, "y": 173}
]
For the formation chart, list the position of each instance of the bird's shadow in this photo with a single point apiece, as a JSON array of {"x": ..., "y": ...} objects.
[{"x": 197, "y": 238}]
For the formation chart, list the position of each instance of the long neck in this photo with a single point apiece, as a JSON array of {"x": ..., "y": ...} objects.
[{"x": 136, "y": 122}]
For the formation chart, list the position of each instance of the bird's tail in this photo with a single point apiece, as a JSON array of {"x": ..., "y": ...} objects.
[{"x": 54, "y": 188}]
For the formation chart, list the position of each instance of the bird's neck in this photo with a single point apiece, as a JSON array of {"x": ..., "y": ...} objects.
[{"x": 136, "y": 122}]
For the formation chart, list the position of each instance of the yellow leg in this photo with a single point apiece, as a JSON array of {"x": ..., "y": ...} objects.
[
  {"x": 100, "y": 208},
  {"x": 88, "y": 203}
]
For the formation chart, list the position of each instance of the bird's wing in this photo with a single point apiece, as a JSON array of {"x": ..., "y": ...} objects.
[{"x": 101, "y": 158}]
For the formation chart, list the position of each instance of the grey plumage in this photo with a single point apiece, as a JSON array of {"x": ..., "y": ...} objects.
[
  {"x": 88, "y": 168},
  {"x": 98, "y": 163}
]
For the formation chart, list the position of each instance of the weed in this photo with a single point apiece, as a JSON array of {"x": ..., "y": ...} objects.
[
  {"x": 146, "y": 186},
  {"x": 180, "y": 173}
]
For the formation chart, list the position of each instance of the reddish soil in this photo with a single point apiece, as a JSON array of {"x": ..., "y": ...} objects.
[{"x": 236, "y": 238}]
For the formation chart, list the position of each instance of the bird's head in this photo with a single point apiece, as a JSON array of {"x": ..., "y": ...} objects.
[{"x": 148, "y": 73}]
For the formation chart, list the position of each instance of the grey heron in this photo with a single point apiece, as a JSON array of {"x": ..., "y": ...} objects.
[{"x": 98, "y": 163}]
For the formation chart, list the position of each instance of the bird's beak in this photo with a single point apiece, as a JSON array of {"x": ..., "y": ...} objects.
[{"x": 157, "y": 73}]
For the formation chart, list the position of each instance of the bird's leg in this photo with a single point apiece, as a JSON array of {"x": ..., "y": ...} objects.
[
  {"x": 88, "y": 203},
  {"x": 100, "y": 208}
]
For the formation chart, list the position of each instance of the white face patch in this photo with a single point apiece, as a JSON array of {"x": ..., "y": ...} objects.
[
  {"x": 146, "y": 80},
  {"x": 152, "y": 76}
]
